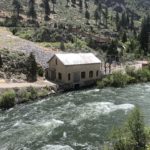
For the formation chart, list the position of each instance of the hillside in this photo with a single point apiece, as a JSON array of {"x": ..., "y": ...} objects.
[
  {"x": 72, "y": 15},
  {"x": 136, "y": 5},
  {"x": 81, "y": 25},
  {"x": 15, "y": 43}
]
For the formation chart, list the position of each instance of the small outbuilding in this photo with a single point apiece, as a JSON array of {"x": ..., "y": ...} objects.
[{"x": 73, "y": 70}]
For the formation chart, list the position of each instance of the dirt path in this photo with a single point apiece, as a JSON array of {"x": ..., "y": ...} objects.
[
  {"x": 38, "y": 84},
  {"x": 11, "y": 42}
]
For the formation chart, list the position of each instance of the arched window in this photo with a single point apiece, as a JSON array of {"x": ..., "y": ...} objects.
[
  {"x": 56, "y": 61},
  {"x": 91, "y": 74},
  {"x": 97, "y": 72},
  {"x": 69, "y": 76},
  {"x": 59, "y": 76}
]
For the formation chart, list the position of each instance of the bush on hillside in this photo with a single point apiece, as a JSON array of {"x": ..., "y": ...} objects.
[
  {"x": 14, "y": 30},
  {"x": 42, "y": 34},
  {"x": 7, "y": 99},
  {"x": 10, "y": 22}
]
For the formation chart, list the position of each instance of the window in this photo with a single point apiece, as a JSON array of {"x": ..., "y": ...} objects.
[
  {"x": 69, "y": 76},
  {"x": 83, "y": 75},
  {"x": 59, "y": 76},
  {"x": 56, "y": 61},
  {"x": 97, "y": 73},
  {"x": 91, "y": 74}
]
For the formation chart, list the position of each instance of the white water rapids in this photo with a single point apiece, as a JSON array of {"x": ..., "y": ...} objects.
[{"x": 79, "y": 120}]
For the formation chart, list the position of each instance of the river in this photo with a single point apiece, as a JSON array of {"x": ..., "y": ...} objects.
[{"x": 77, "y": 120}]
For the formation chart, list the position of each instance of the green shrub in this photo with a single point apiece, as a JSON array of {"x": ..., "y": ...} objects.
[
  {"x": 33, "y": 93},
  {"x": 132, "y": 135},
  {"x": 42, "y": 34},
  {"x": 143, "y": 75},
  {"x": 14, "y": 30},
  {"x": 11, "y": 22},
  {"x": 1, "y": 23},
  {"x": 7, "y": 99},
  {"x": 117, "y": 79},
  {"x": 23, "y": 96},
  {"x": 43, "y": 93},
  {"x": 130, "y": 71},
  {"x": 101, "y": 84},
  {"x": 40, "y": 71},
  {"x": 62, "y": 46}
]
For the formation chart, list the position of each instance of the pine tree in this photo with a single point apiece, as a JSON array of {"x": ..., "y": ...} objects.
[
  {"x": 124, "y": 37},
  {"x": 123, "y": 20},
  {"x": 81, "y": 5},
  {"x": 87, "y": 16},
  {"x": 54, "y": 2},
  {"x": 106, "y": 16},
  {"x": 128, "y": 20},
  {"x": 112, "y": 50},
  {"x": 86, "y": 4},
  {"x": 31, "y": 68},
  {"x": 96, "y": 2},
  {"x": 145, "y": 35},
  {"x": 73, "y": 3},
  {"x": 117, "y": 21},
  {"x": 31, "y": 10},
  {"x": 62, "y": 45},
  {"x": 99, "y": 9},
  {"x": 132, "y": 23},
  {"x": 67, "y": 5},
  {"x": 96, "y": 16},
  {"x": 47, "y": 9},
  {"x": 17, "y": 8}
]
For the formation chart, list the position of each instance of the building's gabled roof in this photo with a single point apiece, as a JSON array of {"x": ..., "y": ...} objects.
[{"x": 77, "y": 58}]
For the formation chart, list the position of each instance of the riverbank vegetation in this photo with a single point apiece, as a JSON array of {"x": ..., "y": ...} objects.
[
  {"x": 10, "y": 98},
  {"x": 7, "y": 99},
  {"x": 121, "y": 79},
  {"x": 132, "y": 135}
]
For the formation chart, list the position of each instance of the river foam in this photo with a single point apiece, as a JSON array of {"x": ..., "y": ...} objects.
[
  {"x": 95, "y": 109},
  {"x": 52, "y": 123},
  {"x": 19, "y": 123},
  {"x": 91, "y": 91},
  {"x": 57, "y": 147},
  {"x": 107, "y": 107}
]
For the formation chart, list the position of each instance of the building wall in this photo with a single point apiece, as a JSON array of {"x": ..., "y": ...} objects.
[{"x": 74, "y": 71}]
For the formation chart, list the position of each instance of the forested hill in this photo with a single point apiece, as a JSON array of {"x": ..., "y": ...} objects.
[
  {"x": 139, "y": 7},
  {"x": 115, "y": 27}
]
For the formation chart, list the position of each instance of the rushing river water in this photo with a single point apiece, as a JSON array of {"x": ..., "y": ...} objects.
[{"x": 78, "y": 120}]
